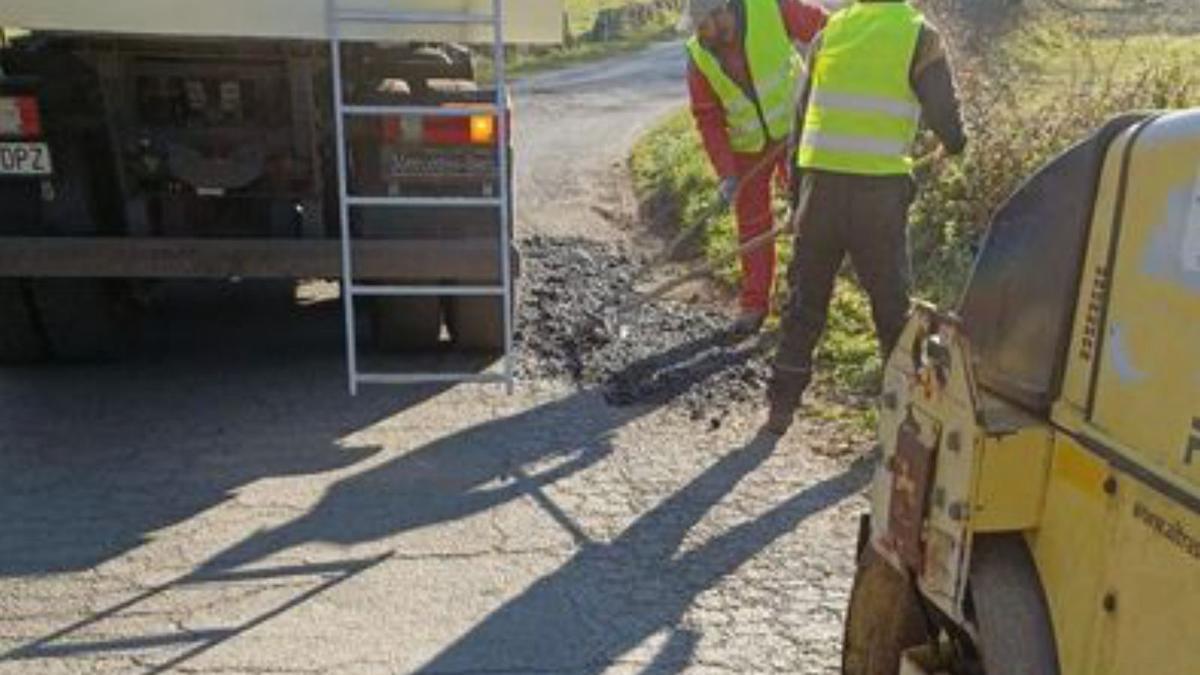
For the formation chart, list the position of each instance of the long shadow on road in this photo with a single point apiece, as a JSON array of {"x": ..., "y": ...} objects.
[
  {"x": 611, "y": 597},
  {"x": 481, "y": 467},
  {"x": 453, "y": 477},
  {"x": 231, "y": 387},
  {"x": 126, "y": 458}
]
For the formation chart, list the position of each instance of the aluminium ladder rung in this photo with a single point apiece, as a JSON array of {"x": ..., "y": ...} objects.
[
  {"x": 423, "y": 378},
  {"x": 457, "y": 291},
  {"x": 470, "y": 110},
  {"x": 358, "y": 200},
  {"x": 424, "y": 18}
]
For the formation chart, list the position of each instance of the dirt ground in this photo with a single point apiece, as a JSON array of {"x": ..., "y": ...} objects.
[{"x": 218, "y": 504}]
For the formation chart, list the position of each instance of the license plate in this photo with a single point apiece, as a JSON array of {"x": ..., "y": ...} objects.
[{"x": 25, "y": 159}]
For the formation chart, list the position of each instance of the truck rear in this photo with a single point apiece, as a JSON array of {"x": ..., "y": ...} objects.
[{"x": 166, "y": 140}]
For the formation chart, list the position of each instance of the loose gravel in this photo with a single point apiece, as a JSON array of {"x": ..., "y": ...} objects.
[{"x": 661, "y": 352}]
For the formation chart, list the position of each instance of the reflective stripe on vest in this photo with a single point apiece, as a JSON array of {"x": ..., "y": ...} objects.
[
  {"x": 774, "y": 68},
  {"x": 867, "y": 104},
  {"x": 862, "y": 114},
  {"x": 857, "y": 144}
]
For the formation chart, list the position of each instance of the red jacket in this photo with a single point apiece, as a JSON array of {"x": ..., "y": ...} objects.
[{"x": 803, "y": 22}]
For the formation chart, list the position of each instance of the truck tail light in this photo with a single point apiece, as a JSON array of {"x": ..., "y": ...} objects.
[
  {"x": 483, "y": 129},
  {"x": 446, "y": 130},
  {"x": 19, "y": 116},
  {"x": 472, "y": 130},
  {"x": 440, "y": 130}
]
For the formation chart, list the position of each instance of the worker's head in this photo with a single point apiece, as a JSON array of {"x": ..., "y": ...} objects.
[{"x": 713, "y": 21}]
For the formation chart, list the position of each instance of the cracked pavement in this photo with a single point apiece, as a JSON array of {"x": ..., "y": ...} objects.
[{"x": 219, "y": 505}]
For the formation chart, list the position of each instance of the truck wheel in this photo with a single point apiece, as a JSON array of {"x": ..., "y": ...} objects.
[
  {"x": 883, "y": 620},
  {"x": 477, "y": 324},
  {"x": 20, "y": 340},
  {"x": 1015, "y": 633},
  {"x": 84, "y": 319},
  {"x": 405, "y": 324}
]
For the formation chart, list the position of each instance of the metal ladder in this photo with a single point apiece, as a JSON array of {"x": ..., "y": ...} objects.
[{"x": 337, "y": 18}]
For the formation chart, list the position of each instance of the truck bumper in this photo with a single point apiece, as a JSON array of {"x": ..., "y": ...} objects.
[{"x": 462, "y": 260}]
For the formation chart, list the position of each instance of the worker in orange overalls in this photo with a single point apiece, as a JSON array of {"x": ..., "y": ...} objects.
[{"x": 744, "y": 72}]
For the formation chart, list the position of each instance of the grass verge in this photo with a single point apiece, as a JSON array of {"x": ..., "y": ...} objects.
[
  {"x": 579, "y": 47},
  {"x": 549, "y": 58}
]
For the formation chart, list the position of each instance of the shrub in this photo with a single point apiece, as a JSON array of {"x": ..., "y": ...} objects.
[{"x": 1027, "y": 96}]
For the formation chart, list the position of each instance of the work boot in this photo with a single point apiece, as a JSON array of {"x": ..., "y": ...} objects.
[
  {"x": 783, "y": 398},
  {"x": 747, "y": 323}
]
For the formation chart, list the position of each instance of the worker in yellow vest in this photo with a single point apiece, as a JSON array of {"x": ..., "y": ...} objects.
[
  {"x": 743, "y": 76},
  {"x": 876, "y": 71}
]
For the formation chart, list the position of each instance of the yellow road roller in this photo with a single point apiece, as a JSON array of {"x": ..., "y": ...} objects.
[{"x": 1036, "y": 508}]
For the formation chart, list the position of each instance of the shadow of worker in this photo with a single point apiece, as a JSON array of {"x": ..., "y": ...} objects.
[
  {"x": 610, "y": 598},
  {"x": 454, "y": 477}
]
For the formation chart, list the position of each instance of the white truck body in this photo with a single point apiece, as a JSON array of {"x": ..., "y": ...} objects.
[{"x": 526, "y": 21}]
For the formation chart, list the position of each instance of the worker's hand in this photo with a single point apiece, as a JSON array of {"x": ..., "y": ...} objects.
[{"x": 728, "y": 189}]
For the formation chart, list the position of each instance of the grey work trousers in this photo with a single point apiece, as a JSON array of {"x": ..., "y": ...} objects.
[{"x": 865, "y": 217}]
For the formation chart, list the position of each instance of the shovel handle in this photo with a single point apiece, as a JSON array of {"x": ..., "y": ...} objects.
[
  {"x": 669, "y": 251},
  {"x": 705, "y": 269}
]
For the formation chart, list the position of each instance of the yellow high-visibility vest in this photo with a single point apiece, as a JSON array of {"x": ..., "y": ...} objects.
[
  {"x": 863, "y": 115},
  {"x": 775, "y": 67}
]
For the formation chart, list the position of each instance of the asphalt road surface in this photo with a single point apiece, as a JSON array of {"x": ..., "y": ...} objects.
[
  {"x": 574, "y": 127},
  {"x": 218, "y": 504}
]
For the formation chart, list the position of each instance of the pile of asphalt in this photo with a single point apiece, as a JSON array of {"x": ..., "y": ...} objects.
[{"x": 662, "y": 353}]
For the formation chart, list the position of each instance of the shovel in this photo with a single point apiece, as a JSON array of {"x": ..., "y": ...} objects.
[
  {"x": 613, "y": 321},
  {"x": 687, "y": 233},
  {"x": 616, "y": 321}
]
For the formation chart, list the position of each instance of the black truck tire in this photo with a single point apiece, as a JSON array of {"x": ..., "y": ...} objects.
[
  {"x": 405, "y": 324},
  {"x": 21, "y": 341},
  {"x": 884, "y": 619},
  {"x": 84, "y": 319},
  {"x": 1015, "y": 632},
  {"x": 476, "y": 324}
]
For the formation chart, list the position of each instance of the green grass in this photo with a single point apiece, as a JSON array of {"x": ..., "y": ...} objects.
[
  {"x": 1056, "y": 56},
  {"x": 581, "y": 15},
  {"x": 583, "y": 52}
]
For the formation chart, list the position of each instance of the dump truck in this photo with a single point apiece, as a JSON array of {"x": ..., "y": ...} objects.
[
  {"x": 149, "y": 140},
  {"x": 1036, "y": 508}
]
